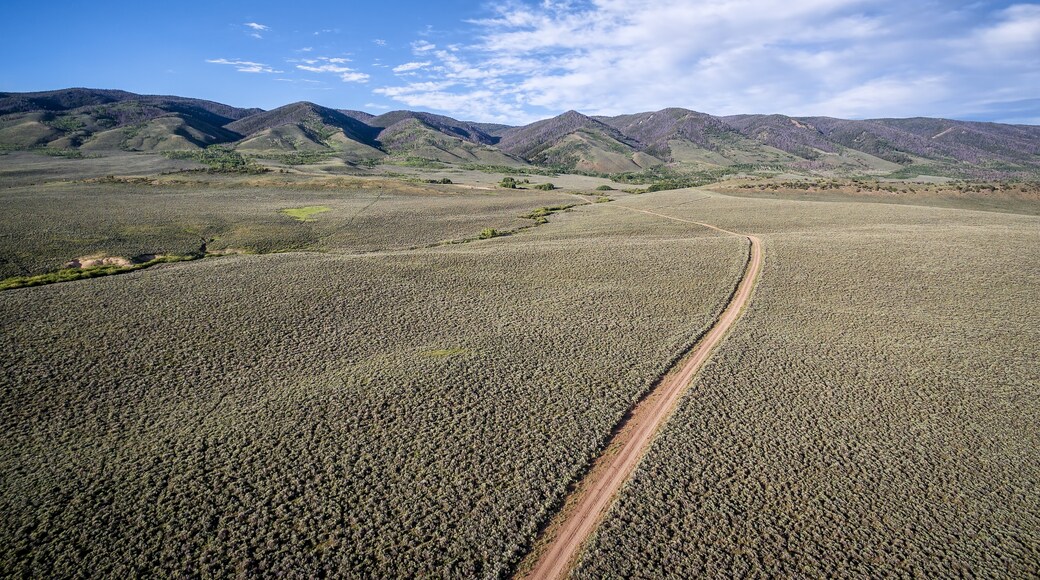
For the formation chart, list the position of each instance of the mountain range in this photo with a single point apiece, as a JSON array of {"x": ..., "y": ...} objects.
[{"x": 107, "y": 120}]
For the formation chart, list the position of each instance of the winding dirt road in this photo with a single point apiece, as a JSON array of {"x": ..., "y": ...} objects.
[{"x": 558, "y": 548}]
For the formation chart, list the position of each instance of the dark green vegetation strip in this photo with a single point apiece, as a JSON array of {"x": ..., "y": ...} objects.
[
  {"x": 875, "y": 414},
  {"x": 219, "y": 158},
  {"x": 541, "y": 215},
  {"x": 70, "y": 274},
  {"x": 664, "y": 178}
]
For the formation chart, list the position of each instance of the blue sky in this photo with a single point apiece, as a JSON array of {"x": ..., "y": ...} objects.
[{"x": 516, "y": 61}]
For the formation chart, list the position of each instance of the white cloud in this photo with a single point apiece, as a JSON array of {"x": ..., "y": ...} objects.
[
  {"x": 245, "y": 66},
  {"x": 255, "y": 28},
  {"x": 354, "y": 77},
  {"x": 410, "y": 66},
  {"x": 379, "y": 42},
  {"x": 1013, "y": 40},
  {"x": 481, "y": 104},
  {"x": 852, "y": 58},
  {"x": 334, "y": 66},
  {"x": 876, "y": 97},
  {"x": 324, "y": 68}
]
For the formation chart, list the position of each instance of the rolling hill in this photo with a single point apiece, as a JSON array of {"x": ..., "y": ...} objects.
[
  {"x": 305, "y": 127},
  {"x": 414, "y": 138},
  {"x": 105, "y": 120},
  {"x": 109, "y": 120},
  {"x": 573, "y": 140},
  {"x": 695, "y": 138},
  {"x": 438, "y": 138},
  {"x": 447, "y": 125}
]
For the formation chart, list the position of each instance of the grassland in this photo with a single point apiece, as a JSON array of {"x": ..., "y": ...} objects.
[
  {"x": 395, "y": 413},
  {"x": 43, "y": 227},
  {"x": 874, "y": 415},
  {"x": 21, "y": 168},
  {"x": 379, "y": 390},
  {"x": 1022, "y": 197}
]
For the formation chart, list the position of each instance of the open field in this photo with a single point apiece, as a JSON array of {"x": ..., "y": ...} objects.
[
  {"x": 387, "y": 414},
  {"x": 19, "y": 168},
  {"x": 874, "y": 414},
  {"x": 43, "y": 227},
  {"x": 1021, "y": 197},
  {"x": 376, "y": 373}
]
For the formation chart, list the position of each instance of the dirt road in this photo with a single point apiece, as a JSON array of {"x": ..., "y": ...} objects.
[{"x": 558, "y": 548}]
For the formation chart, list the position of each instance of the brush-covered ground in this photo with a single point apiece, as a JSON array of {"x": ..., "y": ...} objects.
[
  {"x": 383, "y": 374},
  {"x": 874, "y": 414},
  {"x": 365, "y": 410}
]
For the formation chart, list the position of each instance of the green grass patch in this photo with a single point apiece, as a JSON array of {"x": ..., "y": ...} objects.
[{"x": 304, "y": 214}]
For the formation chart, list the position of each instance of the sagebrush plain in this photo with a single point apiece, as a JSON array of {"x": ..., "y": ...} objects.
[{"x": 340, "y": 361}]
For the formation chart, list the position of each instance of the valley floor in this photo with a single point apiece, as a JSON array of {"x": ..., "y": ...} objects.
[{"x": 409, "y": 381}]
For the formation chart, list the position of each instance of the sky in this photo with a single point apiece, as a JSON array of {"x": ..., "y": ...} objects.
[{"x": 518, "y": 61}]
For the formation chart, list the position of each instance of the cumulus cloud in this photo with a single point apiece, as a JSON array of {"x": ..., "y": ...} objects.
[
  {"x": 245, "y": 66},
  {"x": 853, "y": 58}
]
